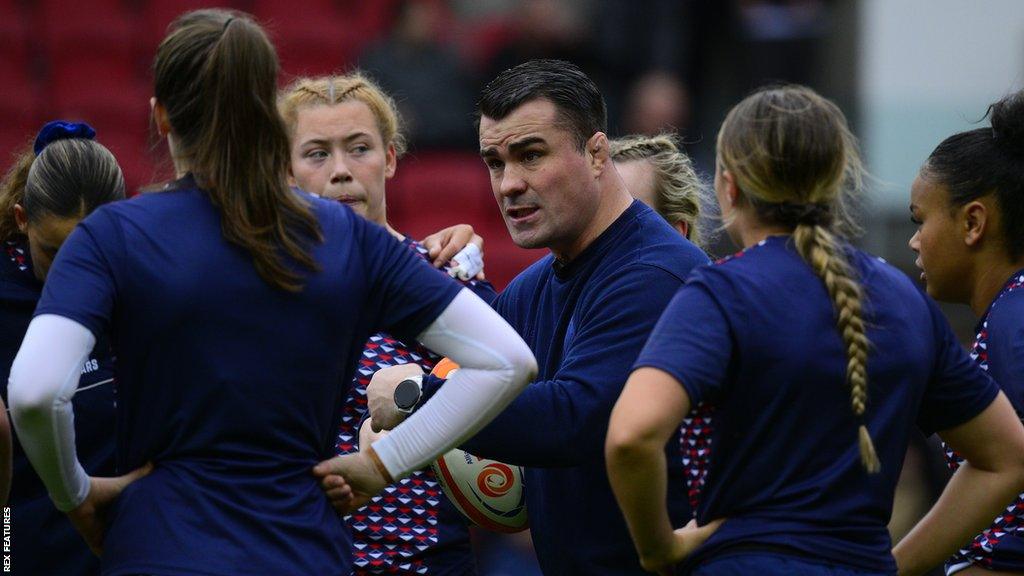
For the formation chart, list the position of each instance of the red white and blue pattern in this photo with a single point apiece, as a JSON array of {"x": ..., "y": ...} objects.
[
  {"x": 392, "y": 533},
  {"x": 695, "y": 447},
  {"x": 696, "y": 431},
  {"x": 1011, "y": 523},
  {"x": 16, "y": 252}
]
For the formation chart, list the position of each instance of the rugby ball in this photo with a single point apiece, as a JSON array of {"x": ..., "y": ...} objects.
[{"x": 489, "y": 493}]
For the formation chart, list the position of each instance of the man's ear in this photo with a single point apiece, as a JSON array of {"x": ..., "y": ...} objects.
[{"x": 599, "y": 153}]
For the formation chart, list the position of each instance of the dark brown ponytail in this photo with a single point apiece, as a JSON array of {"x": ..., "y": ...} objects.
[{"x": 216, "y": 75}]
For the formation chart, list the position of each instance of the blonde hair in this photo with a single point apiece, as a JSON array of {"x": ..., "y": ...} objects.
[
  {"x": 678, "y": 190},
  {"x": 795, "y": 160},
  {"x": 330, "y": 90}
]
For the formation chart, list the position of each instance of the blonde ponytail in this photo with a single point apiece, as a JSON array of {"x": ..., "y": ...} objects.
[
  {"x": 820, "y": 249},
  {"x": 795, "y": 159}
]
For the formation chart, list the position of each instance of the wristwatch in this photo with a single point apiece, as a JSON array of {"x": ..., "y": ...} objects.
[{"x": 408, "y": 393}]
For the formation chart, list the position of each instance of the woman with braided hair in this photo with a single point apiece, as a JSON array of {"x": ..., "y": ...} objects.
[
  {"x": 659, "y": 174},
  {"x": 819, "y": 359},
  {"x": 968, "y": 203}
]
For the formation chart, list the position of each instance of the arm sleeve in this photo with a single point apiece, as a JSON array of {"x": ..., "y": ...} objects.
[
  {"x": 692, "y": 341},
  {"x": 495, "y": 365},
  {"x": 1006, "y": 347},
  {"x": 958, "y": 389},
  {"x": 563, "y": 421},
  {"x": 43, "y": 380}
]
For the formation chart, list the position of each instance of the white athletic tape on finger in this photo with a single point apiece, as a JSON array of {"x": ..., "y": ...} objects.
[{"x": 468, "y": 263}]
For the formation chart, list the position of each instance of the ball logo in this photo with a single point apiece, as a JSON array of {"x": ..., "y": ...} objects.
[{"x": 495, "y": 480}]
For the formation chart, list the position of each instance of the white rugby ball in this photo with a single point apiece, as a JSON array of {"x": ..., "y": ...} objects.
[{"x": 489, "y": 493}]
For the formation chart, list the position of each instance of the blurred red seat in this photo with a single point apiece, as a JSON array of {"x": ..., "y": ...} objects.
[{"x": 316, "y": 40}]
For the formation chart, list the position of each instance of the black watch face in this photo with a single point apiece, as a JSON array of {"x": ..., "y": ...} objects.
[{"x": 407, "y": 394}]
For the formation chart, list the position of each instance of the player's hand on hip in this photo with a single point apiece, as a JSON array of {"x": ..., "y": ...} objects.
[
  {"x": 684, "y": 541},
  {"x": 90, "y": 517},
  {"x": 380, "y": 395},
  {"x": 443, "y": 245},
  {"x": 350, "y": 481}
]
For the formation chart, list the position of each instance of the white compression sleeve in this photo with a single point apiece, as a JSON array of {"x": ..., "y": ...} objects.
[
  {"x": 43, "y": 379},
  {"x": 494, "y": 367}
]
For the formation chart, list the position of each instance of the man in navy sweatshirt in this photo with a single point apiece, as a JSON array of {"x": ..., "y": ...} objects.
[{"x": 585, "y": 310}]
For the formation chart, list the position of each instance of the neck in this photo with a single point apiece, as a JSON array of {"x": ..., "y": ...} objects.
[
  {"x": 612, "y": 206},
  {"x": 989, "y": 279},
  {"x": 398, "y": 235},
  {"x": 752, "y": 231}
]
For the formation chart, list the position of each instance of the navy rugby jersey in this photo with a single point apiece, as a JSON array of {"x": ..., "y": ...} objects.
[
  {"x": 585, "y": 322},
  {"x": 756, "y": 337},
  {"x": 410, "y": 527},
  {"x": 43, "y": 541},
  {"x": 229, "y": 385},
  {"x": 999, "y": 350}
]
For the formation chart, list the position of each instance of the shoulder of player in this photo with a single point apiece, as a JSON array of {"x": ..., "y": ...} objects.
[{"x": 1007, "y": 313}]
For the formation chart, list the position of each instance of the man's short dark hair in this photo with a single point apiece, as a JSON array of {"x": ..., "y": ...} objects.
[{"x": 578, "y": 101}]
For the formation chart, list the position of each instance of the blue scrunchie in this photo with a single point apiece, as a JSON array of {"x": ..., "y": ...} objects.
[{"x": 61, "y": 130}]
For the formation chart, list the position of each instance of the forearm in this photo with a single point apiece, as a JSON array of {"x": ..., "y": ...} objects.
[
  {"x": 971, "y": 500},
  {"x": 43, "y": 380},
  {"x": 545, "y": 427},
  {"x": 495, "y": 365},
  {"x": 638, "y": 477}
]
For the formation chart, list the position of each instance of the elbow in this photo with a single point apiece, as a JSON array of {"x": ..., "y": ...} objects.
[
  {"x": 625, "y": 445},
  {"x": 523, "y": 365},
  {"x": 28, "y": 401}
]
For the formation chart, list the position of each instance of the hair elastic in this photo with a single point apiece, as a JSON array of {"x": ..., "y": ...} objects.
[{"x": 61, "y": 130}]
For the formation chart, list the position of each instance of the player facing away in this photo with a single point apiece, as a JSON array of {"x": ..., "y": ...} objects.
[
  {"x": 236, "y": 306},
  {"x": 55, "y": 183},
  {"x": 968, "y": 203},
  {"x": 345, "y": 144},
  {"x": 585, "y": 310},
  {"x": 818, "y": 359}
]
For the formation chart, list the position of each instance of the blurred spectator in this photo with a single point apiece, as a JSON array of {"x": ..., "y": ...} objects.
[
  {"x": 547, "y": 29},
  {"x": 782, "y": 38},
  {"x": 424, "y": 74},
  {"x": 657, "y": 103}
]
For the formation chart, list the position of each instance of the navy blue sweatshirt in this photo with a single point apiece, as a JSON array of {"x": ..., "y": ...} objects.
[{"x": 586, "y": 321}]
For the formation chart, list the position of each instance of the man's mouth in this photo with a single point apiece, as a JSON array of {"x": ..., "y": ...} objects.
[{"x": 520, "y": 213}]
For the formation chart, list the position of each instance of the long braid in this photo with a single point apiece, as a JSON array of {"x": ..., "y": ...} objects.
[{"x": 819, "y": 248}]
